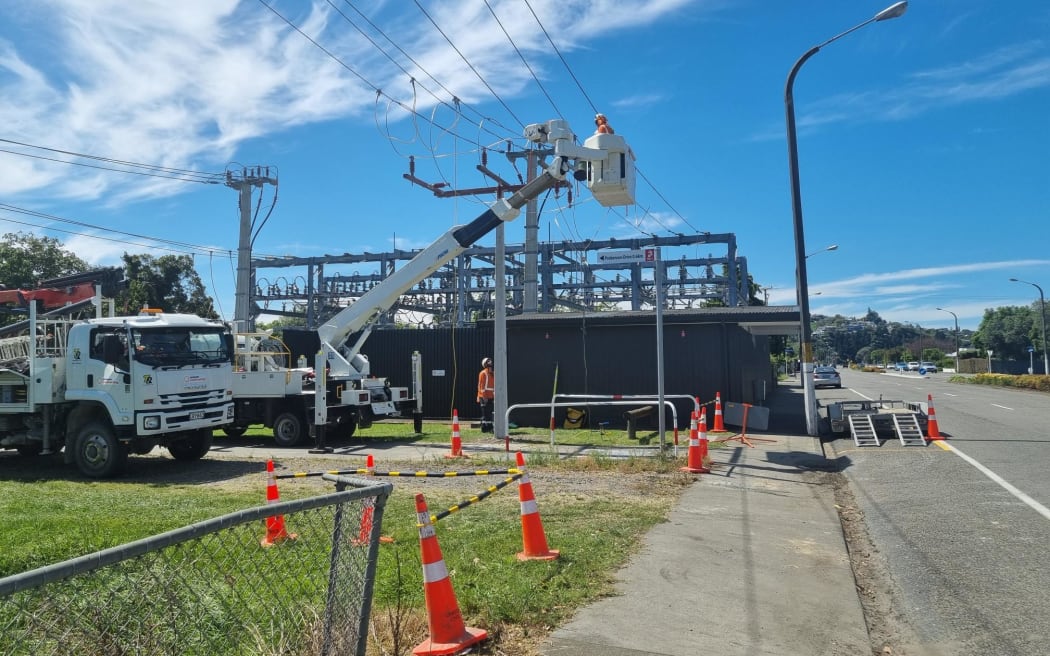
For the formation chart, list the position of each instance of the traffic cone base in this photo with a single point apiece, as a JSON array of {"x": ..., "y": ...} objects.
[{"x": 470, "y": 636}]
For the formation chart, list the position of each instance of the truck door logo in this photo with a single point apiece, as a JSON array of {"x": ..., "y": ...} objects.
[
  {"x": 76, "y": 353},
  {"x": 147, "y": 379}
]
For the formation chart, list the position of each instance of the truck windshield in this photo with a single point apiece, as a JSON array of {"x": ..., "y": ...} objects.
[{"x": 178, "y": 347}]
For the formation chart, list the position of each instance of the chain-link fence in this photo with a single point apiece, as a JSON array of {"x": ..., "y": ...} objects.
[{"x": 212, "y": 588}]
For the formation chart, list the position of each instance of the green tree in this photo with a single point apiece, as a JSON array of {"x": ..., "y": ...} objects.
[
  {"x": 1007, "y": 332},
  {"x": 169, "y": 283},
  {"x": 26, "y": 259}
]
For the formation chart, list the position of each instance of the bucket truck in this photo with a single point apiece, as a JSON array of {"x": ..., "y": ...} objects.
[{"x": 344, "y": 384}]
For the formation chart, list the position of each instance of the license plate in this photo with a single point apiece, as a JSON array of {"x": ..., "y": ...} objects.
[{"x": 197, "y": 415}]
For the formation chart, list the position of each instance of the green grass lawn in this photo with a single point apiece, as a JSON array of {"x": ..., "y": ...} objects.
[{"x": 50, "y": 513}]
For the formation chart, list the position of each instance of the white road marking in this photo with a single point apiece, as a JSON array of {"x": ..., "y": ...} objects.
[
  {"x": 949, "y": 394},
  {"x": 1001, "y": 406},
  {"x": 1027, "y": 500}
]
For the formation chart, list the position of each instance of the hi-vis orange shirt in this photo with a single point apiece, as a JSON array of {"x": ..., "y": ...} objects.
[{"x": 486, "y": 384}]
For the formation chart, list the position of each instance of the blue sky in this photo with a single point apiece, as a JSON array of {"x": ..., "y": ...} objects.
[{"x": 923, "y": 141}]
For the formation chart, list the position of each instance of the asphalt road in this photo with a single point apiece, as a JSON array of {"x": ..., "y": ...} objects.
[{"x": 963, "y": 525}]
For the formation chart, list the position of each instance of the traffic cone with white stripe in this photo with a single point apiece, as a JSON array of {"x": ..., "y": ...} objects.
[
  {"x": 448, "y": 634},
  {"x": 695, "y": 460},
  {"x": 705, "y": 460},
  {"x": 275, "y": 529},
  {"x": 457, "y": 442},
  {"x": 933, "y": 432},
  {"x": 534, "y": 540},
  {"x": 364, "y": 534},
  {"x": 719, "y": 427}
]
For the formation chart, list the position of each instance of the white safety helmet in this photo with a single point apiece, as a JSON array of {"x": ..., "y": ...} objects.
[{"x": 486, "y": 362}]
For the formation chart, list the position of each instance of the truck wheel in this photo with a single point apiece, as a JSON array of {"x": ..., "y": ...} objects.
[
  {"x": 193, "y": 447},
  {"x": 345, "y": 429},
  {"x": 98, "y": 453},
  {"x": 235, "y": 431},
  {"x": 287, "y": 429}
]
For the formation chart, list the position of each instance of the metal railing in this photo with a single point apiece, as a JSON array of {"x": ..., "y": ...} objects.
[{"x": 211, "y": 588}]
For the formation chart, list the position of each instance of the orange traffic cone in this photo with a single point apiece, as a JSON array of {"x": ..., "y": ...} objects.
[
  {"x": 457, "y": 443},
  {"x": 932, "y": 431},
  {"x": 275, "y": 530},
  {"x": 367, "y": 513},
  {"x": 719, "y": 426},
  {"x": 448, "y": 634},
  {"x": 534, "y": 540},
  {"x": 702, "y": 423},
  {"x": 695, "y": 462}
]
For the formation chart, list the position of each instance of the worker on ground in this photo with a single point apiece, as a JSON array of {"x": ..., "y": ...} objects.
[
  {"x": 486, "y": 394},
  {"x": 602, "y": 124}
]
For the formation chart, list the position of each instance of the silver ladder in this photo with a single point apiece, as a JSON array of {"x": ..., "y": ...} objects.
[
  {"x": 908, "y": 430},
  {"x": 863, "y": 430}
]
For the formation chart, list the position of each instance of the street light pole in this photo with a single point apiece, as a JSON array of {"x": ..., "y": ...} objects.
[
  {"x": 802, "y": 286},
  {"x": 956, "y": 337},
  {"x": 833, "y": 247},
  {"x": 1042, "y": 313}
]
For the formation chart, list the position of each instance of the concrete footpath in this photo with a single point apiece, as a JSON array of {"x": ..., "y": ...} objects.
[{"x": 751, "y": 561}]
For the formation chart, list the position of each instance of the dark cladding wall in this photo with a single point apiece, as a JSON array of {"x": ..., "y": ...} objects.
[{"x": 591, "y": 356}]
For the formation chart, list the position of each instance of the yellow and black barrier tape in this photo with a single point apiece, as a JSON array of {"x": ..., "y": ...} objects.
[
  {"x": 415, "y": 474},
  {"x": 477, "y": 497}
]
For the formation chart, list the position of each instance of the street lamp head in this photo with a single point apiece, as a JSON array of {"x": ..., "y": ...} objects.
[
  {"x": 833, "y": 247},
  {"x": 893, "y": 11},
  {"x": 1014, "y": 280}
]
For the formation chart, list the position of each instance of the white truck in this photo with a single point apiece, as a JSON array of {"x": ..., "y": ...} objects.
[
  {"x": 104, "y": 387},
  {"x": 346, "y": 395}
]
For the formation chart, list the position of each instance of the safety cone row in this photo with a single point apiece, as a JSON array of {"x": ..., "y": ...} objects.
[
  {"x": 719, "y": 426},
  {"x": 364, "y": 533},
  {"x": 448, "y": 633},
  {"x": 457, "y": 443},
  {"x": 932, "y": 430},
  {"x": 275, "y": 529},
  {"x": 695, "y": 460},
  {"x": 534, "y": 540}
]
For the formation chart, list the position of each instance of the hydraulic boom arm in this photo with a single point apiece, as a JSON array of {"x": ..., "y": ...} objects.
[{"x": 609, "y": 154}]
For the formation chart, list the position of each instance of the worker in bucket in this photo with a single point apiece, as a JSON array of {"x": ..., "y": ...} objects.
[
  {"x": 486, "y": 393},
  {"x": 602, "y": 124}
]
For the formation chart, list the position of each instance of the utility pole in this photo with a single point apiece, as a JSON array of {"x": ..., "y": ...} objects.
[{"x": 257, "y": 176}]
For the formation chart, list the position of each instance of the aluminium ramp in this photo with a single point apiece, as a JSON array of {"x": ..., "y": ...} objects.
[
  {"x": 863, "y": 430},
  {"x": 908, "y": 431}
]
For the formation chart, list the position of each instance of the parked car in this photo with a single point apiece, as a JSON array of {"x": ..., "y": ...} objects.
[
  {"x": 930, "y": 367},
  {"x": 901, "y": 366},
  {"x": 913, "y": 366},
  {"x": 826, "y": 377}
]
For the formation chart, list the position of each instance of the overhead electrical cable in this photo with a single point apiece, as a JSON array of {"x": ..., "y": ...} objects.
[
  {"x": 470, "y": 65},
  {"x": 363, "y": 79},
  {"x": 523, "y": 60},
  {"x": 457, "y": 102}
]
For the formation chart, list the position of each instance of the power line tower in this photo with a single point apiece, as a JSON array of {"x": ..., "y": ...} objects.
[{"x": 249, "y": 178}]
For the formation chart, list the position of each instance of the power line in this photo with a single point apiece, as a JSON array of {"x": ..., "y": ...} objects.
[
  {"x": 183, "y": 247},
  {"x": 523, "y": 60},
  {"x": 151, "y": 171},
  {"x": 455, "y": 98},
  {"x": 471, "y": 66}
]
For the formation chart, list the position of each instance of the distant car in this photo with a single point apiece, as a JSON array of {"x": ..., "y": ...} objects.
[
  {"x": 930, "y": 367},
  {"x": 913, "y": 366},
  {"x": 826, "y": 377},
  {"x": 901, "y": 366}
]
